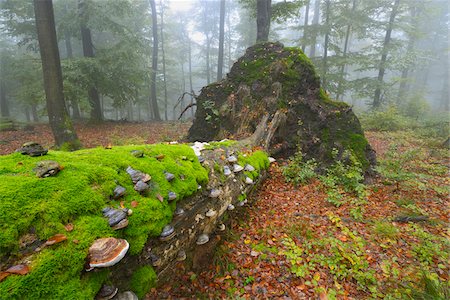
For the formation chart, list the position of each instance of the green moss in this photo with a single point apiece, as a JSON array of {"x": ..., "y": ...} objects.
[
  {"x": 258, "y": 159},
  {"x": 357, "y": 143},
  {"x": 323, "y": 96},
  {"x": 143, "y": 280},
  {"x": 221, "y": 144},
  {"x": 77, "y": 195}
]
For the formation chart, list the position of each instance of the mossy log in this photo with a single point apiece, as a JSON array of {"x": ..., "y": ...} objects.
[
  {"x": 276, "y": 84},
  {"x": 71, "y": 203}
]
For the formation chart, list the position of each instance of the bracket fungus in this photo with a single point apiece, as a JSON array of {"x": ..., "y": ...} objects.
[{"x": 106, "y": 252}]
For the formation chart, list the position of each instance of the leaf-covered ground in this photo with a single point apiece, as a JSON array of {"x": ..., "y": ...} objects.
[
  {"x": 93, "y": 135},
  {"x": 292, "y": 243}
]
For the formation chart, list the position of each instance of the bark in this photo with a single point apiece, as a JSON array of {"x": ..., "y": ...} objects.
[
  {"x": 4, "y": 107},
  {"x": 325, "y": 50},
  {"x": 191, "y": 88},
  {"x": 315, "y": 23},
  {"x": 263, "y": 14},
  {"x": 403, "y": 88},
  {"x": 344, "y": 53},
  {"x": 88, "y": 51},
  {"x": 382, "y": 69},
  {"x": 221, "y": 40},
  {"x": 163, "y": 54},
  {"x": 34, "y": 113},
  {"x": 67, "y": 38},
  {"x": 60, "y": 122},
  {"x": 153, "y": 100},
  {"x": 305, "y": 26},
  {"x": 208, "y": 67}
]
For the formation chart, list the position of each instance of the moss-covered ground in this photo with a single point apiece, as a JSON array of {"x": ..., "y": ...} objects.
[{"x": 77, "y": 195}]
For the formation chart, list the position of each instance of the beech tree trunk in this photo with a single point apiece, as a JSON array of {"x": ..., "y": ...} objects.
[
  {"x": 325, "y": 50},
  {"x": 60, "y": 122},
  {"x": 221, "y": 40},
  {"x": 305, "y": 26},
  {"x": 163, "y": 60},
  {"x": 88, "y": 51},
  {"x": 4, "y": 107},
  {"x": 191, "y": 88},
  {"x": 208, "y": 65},
  {"x": 387, "y": 39},
  {"x": 344, "y": 54},
  {"x": 263, "y": 14},
  {"x": 315, "y": 23},
  {"x": 153, "y": 99}
]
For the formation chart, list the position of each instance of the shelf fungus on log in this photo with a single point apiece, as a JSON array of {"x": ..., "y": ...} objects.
[{"x": 106, "y": 252}]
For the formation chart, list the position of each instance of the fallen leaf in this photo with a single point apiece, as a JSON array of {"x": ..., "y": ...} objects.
[
  {"x": 3, "y": 275},
  {"x": 57, "y": 238},
  {"x": 19, "y": 269},
  {"x": 323, "y": 296},
  {"x": 254, "y": 253},
  {"x": 134, "y": 203},
  {"x": 68, "y": 227},
  {"x": 160, "y": 198},
  {"x": 122, "y": 204}
]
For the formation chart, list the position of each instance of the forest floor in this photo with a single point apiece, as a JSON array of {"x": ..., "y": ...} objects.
[{"x": 292, "y": 242}]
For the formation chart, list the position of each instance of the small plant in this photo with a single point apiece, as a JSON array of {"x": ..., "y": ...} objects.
[
  {"x": 430, "y": 288},
  {"x": 298, "y": 171},
  {"x": 385, "y": 229}
]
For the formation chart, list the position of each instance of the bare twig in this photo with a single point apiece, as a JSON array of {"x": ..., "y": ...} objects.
[{"x": 187, "y": 107}]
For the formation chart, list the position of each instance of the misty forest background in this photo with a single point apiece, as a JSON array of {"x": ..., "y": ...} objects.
[{"x": 373, "y": 54}]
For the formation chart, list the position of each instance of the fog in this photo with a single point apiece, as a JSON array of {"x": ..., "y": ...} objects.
[{"x": 345, "y": 39}]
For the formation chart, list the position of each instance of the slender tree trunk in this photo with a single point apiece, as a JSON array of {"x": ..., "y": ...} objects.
[
  {"x": 208, "y": 67},
  {"x": 305, "y": 26},
  {"x": 4, "y": 107},
  {"x": 263, "y": 14},
  {"x": 444, "y": 103},
  {"x": 163, "y": 60},
  {"x": 60, "y": 122},
  {"x": 191, "y": 88},
  {"x": 403, "y": 88},
  {"x": 153, "y": 99},
  {"x": 387, "y": 39},
  {"x": 34, "y": 113},
  {"x": 315, "y": 24},
  {"x": 221, "y": 40},
  {"x": 88, "y": 51},
  {"x": 325, "y": 50},
  {"x": 229, "y": 40},
  {"x": 344, "y": 54}
]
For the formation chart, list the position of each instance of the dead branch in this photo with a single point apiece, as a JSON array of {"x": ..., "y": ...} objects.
[{"x": 187, "y": 107}]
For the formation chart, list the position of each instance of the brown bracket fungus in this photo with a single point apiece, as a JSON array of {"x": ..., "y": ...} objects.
[
  {"x": 106, "y": 292},
  {"x": 47, "y": 168},
  {"x": 106, "y": 252}
]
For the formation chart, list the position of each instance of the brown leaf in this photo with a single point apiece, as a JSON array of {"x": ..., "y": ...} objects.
[
  {"x": 134, "y": 203},
  {"x": 3, "y": 275},
  {"x": 19, "y": 269},
  {"x": 160, "y": 198},
  {"x": 160, "y": 156},
  {"x": 57, "y": 238},
  {"x": 68, "y": 227}
]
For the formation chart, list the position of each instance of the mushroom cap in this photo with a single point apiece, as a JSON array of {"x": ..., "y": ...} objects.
[
  {"x": 202, "y": 239},
  {"x": 226, "y": 171},
  {"x": 47, "y": 168},
  {"x": 230, "y": 206},
  {"x": 169, "y": 176},
  {"x": 119, "y": 191},
  {"x": 181, "y": 255},
  {"x": 221, "y": 227},
  {"x": 106, "y": 292},
  {"x": 237, "y": 168},
  {"x": 128, "y": 295},
  {"x": 122, "y": 224},
  {"x": 211, "y": 213},
  {"x": 172, "y": 196},
  {"x": 215, "y": 193},
  {"x": 232, "y": 159},
  {"x": 141, "y": 186},
  {"x": 248, "y": 180},
  {"x": 249, "y": 168},
  {"x": 167, "y": 230},
  {"x": 106, "y": 252},
  {"x": 116, "y": 216},
  {"x": 179, "y": 211},
  {"x": 271, "y": 159}
]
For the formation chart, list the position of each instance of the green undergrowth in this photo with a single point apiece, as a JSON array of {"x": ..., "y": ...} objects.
[
  {"x": 77, "y": 195},
  {"x": 142, "y": 280},
  {"x": 258, "y": 159}
]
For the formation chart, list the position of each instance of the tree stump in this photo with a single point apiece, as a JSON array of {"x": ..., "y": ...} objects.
[{"x": 272, "y": 98}]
